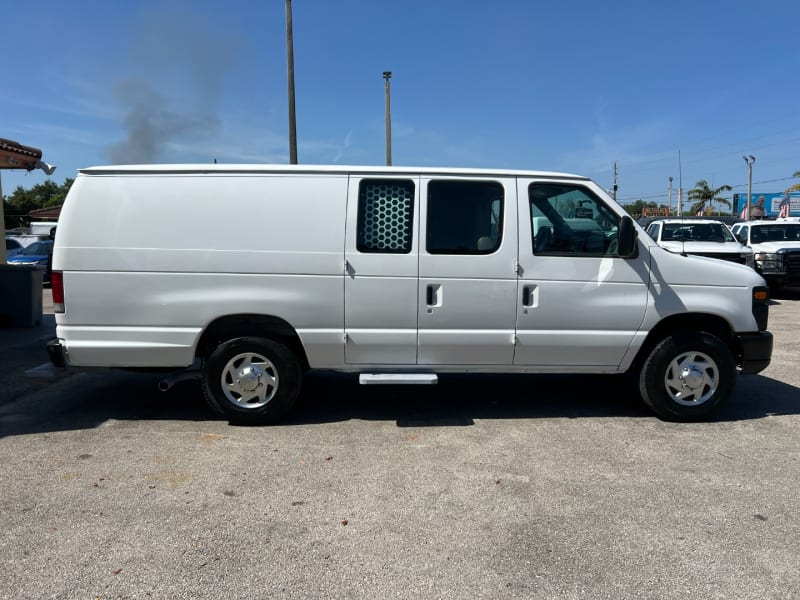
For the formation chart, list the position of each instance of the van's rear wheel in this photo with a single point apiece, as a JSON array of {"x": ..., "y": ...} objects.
[
  {"x": 251, "y": 380},
  {"x": 687, "y": 376}
]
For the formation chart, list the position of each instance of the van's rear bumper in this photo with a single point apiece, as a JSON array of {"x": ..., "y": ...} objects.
[
  {"x": 56, "y": 353},
  {"x": 756, "y": 351}
]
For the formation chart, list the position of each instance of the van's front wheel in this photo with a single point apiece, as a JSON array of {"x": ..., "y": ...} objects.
[
  {"x": 687, "y": 376},
  {"x": 251, "y": 380}
]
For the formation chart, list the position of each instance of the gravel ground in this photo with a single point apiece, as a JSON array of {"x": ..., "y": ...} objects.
[{"x": 479, "y": 487}]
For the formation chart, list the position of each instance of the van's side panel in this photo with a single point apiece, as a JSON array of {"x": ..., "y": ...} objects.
[
  {"x": 381, "y": 288},
  {"x": 150, "y": 260}
]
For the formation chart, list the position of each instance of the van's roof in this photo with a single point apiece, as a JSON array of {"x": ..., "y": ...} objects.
[{"x": 311, "y": 169}]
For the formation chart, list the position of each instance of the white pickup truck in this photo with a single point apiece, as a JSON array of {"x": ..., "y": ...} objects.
[
  {"x": 699, "y": 237},
  {"x": 776, "y": 249}
]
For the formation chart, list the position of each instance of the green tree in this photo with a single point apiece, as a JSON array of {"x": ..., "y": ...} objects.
[
  {"x": 42, "y": 195},
  {"x": 705, "y": 195}
]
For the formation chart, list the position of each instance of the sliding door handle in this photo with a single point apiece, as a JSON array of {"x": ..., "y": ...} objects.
[
  {"x": 528, "y": 296},
  {"x": 433, "y": 295}
]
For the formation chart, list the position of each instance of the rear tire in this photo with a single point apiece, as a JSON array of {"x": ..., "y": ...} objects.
[
  {"x": 251, "y": 380},
  {"x": 687, "y": 376}
]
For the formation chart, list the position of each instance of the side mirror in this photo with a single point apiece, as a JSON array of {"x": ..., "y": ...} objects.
[{"x": 627, "y": 247}]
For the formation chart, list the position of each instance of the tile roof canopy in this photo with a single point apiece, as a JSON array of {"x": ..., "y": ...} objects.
[
  {"x": 14, "y": 155},
  {"x": 51, "y": 212}
]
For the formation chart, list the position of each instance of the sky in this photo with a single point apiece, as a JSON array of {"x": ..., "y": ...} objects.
[{"x": 678, "y": 89}]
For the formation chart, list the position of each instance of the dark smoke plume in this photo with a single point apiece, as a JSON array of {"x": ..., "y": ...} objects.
[
  {"x": 176, "y": 51},
  {"x": 151, "y": 125}
]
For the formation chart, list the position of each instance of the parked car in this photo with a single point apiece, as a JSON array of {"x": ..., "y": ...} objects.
[
  {"x": 776, "y": 249},
  {"x": 13, "y": 247},
  {"x": 37, "y": 254},
  {"x": 700, "y": 237}
]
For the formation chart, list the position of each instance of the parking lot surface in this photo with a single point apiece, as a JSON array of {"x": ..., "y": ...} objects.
[{"x": 479, "y": 487}]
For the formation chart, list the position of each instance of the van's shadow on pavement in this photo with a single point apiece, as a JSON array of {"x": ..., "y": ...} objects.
[{"x": 86, "y": 401}]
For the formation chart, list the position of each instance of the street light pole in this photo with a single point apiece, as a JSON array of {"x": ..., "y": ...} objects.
[
  {"x": 387, "y": 75},
  {"x": 680, "y": 186},
  {"x": 290, "y": 69},
  {"x": 750, "y": 159},
  {"x": 670, "y": 195}
]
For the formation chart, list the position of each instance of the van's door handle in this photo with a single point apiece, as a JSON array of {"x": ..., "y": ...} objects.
[
  {"x": 528, "y": 296},
  {"x": 433, "y": 295}
]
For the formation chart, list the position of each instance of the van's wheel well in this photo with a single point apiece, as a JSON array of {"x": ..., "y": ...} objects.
[
  {"x": 229, "y": 327},
  {"x": 712, "y": 324}
]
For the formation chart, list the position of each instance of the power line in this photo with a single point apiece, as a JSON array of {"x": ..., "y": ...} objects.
[{"x": 739, "y": 185}]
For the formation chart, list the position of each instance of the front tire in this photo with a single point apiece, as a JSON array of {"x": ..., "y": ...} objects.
[
  {"x": 251, "y": 380},
  {"x": 687, "y": 376}
]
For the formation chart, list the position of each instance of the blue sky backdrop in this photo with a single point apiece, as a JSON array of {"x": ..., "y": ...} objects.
[{"x": 567, "y": 86}]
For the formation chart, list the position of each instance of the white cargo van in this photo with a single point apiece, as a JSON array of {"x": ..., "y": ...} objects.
[{"x": 257, "y": 273}]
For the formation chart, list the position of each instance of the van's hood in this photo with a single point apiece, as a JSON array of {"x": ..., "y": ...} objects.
[
  {"x": 705, "y": 247},
  {"x": 676, "y": 269},
  {"x": 775, "y": 246}
]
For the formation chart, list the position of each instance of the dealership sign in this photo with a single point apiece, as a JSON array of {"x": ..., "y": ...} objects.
[{"x": 769, "y": 203}]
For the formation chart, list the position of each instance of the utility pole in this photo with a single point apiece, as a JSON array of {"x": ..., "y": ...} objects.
[
  {"x": 680, "y": 186},
  {"x": 290, "y": 69},
  {"x": 387, "y": 75},
  {"x": 670, "y": 195},
  {"x": 750, "y": 159},
  {"x": 614, "y": 189}
]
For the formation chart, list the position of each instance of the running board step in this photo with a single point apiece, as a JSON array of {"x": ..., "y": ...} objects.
[{"x": 398, "y": 378}]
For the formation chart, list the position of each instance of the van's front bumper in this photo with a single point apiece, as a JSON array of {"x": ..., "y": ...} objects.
[{"x": 756, "y": 351}]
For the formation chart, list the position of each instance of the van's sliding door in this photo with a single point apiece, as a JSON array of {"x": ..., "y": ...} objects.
[{"x": 468, "y": 282}]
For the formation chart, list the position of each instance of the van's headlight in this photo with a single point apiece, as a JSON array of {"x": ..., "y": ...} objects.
[{"x": 768, "y": 262}]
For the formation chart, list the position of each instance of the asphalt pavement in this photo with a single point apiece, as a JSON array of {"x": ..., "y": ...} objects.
[
  {"x": 478, "y": 487},
  {"x": 22, "y": 349}
]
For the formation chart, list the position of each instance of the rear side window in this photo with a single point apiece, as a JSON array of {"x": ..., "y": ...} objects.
[
  {"x": 385, "y": 216},
  {"x": 464, "y": 217}
]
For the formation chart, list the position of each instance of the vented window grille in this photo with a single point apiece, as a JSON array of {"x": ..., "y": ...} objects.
[{"x": 385, "y": 216}]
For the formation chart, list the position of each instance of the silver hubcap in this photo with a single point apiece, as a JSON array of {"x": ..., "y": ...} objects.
[
  {"x": 692, "y": 378},
  {"x": 249, "y": 380}
]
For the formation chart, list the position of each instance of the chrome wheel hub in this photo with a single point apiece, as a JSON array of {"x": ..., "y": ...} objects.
[
  {"x": 692, "y": 378},
  {"x": 249, "y": 380}
]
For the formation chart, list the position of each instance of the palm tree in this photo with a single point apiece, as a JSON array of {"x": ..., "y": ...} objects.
[
  {"x": 796, "y": 186},
  {"x": 705, "y": 195}
]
